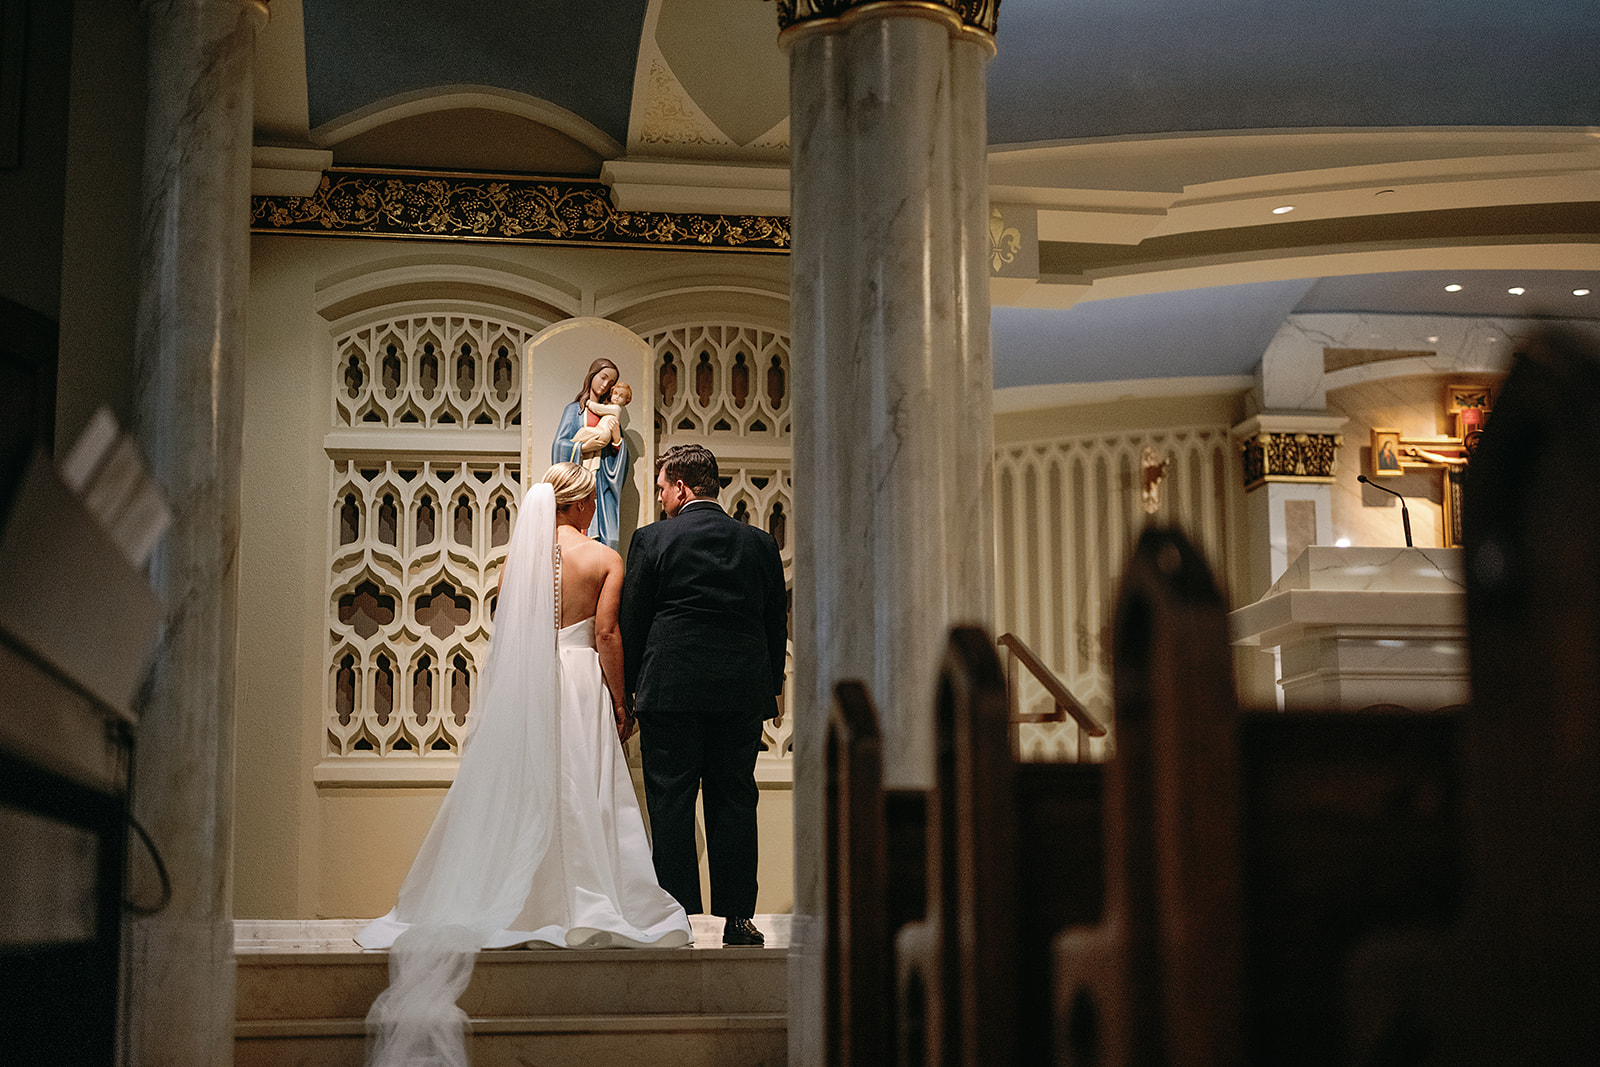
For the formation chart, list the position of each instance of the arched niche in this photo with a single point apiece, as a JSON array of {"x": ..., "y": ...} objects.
[{"x": 557, "y": 358}]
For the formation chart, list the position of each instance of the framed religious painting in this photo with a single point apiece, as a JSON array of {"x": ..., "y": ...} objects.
[
  {"x": 1386, "y": 454},
  {"x": 1468, "y": 407}
]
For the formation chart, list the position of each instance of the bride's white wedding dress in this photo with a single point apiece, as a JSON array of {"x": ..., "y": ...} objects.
[{"x": 540, "y": 840}]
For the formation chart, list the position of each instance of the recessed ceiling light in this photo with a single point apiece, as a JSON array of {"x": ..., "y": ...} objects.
[
  {"x": 1434, "y": 339},
  {"x": 1284, "y": 210},
  {"x": 1452, "y": 288},
  {"x": 1580, "y": 292},
  {"x": 1516, "y": 290}
]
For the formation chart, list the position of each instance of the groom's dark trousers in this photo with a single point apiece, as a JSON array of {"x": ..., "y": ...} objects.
[{"x": 704, "y": 622}]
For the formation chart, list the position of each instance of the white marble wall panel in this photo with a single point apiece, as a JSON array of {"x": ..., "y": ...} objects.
[{"x": 1292, "y": 372}]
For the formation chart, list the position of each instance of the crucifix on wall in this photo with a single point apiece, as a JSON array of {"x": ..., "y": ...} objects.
[{"x": 1393, "y": 455}]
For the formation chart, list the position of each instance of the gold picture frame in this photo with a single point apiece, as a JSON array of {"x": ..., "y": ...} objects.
[{"x": 1386, "y": 454}]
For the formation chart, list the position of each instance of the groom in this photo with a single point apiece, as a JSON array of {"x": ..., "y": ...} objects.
[{"x": 703, "y": 629}]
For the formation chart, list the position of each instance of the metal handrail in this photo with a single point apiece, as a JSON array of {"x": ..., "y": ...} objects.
[{"x": 1066, "y": 703}]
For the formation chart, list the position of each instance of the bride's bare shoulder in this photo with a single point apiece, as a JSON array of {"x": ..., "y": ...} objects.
[{"x": 590, "y": 554}]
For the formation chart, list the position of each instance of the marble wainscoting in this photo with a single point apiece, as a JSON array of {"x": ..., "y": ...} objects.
[{"x": 304, "y": 988}]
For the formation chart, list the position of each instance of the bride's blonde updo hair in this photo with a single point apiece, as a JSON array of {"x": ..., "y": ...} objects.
[{"x": 571, "y": 483}]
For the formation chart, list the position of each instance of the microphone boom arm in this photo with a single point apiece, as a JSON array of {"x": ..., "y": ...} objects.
[{"x": 1405, "y": 516}]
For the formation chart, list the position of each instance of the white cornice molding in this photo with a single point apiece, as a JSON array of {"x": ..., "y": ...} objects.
[
  {"x": 710, "y": 188},
  {"x": 1276, "y": 422},
  {"x": 1122, "y": 190},
  {"x": 287, "y": 171},
  {"x": 1018, "y": 398}
]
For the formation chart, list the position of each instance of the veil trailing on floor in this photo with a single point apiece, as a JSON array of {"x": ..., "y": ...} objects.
[{"x": 471, "y": 876}]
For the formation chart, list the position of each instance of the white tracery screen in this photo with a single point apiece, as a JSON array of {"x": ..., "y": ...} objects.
[
  {"x": 727, "y": 387},
  {"x": 430, "y": 371},
  {"x": 423, "y": 492},
  {"x": 423, "y": 489},
  {"x": 1067, "y": 514}
]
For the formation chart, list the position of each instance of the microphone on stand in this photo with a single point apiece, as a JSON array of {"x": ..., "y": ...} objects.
[{"x": 1405, "y": 516}]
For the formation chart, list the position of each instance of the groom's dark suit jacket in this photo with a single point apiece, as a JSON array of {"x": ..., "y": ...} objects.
[{"x": 704, "y": 615}]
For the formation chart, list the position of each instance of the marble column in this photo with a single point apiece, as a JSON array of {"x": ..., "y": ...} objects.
[
  {"x": 893, "y": 450},
  {"x": 194, "y": 278}
]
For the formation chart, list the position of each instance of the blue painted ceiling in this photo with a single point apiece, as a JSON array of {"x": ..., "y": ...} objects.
[
  {"x": 1065, "y": 68},
  {"x": 1093, "y": 68},
  {"x": 579, "y": 54}
]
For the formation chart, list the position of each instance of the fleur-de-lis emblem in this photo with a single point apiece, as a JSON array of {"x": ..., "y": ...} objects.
[{"x": 1004, "y": 241}]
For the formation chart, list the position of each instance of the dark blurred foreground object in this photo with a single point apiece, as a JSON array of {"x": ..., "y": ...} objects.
[
  {"x": 77, "y": 624},
  {"x": 1369, "y": 888},
  {"x": 1516, "y": 977}
]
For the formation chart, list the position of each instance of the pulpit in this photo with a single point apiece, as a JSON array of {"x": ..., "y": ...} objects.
[{"x": 1350, "y": 628}]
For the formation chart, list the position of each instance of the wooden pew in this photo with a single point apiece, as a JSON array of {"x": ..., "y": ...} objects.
[
  {"x": 1158, "y": 979},
  {"x": 861, "y": 989},
  {"x": 1247, "y": 855},
  {"x": 954, "y": 993},
  {"x": 1008, "y": 853}
]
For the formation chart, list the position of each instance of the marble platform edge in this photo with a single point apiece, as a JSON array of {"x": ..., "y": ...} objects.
[
  {"x": 285, "y": 937},
  {"x": 272, "y": 1029}
]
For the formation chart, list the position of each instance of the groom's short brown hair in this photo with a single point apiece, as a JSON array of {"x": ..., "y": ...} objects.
[{"x": 694, "y": 466}]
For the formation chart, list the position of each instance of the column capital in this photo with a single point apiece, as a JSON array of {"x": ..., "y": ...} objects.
[
  {"x": 1288, "y": 446},
  {"x": 975, "y": 18}
]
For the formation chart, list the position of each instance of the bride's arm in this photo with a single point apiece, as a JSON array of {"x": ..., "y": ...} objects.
[{"x": 608, "y": 636}]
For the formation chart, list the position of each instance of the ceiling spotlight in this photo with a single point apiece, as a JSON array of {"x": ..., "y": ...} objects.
[
  {"x": 1452, "y": 288},
  {"x": 1516, "y": 290},
  {"x": 1433, "y": 340},
  {"x": 1284, "y": 210},
  {"x": 1580, "y": 292}
]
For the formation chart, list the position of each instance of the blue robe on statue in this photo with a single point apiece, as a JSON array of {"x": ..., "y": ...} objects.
[{"x": 610, "y": 472}]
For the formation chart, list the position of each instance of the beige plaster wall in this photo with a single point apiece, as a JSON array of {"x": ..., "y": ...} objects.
[
  {"x": 304, "y": 851},
  {"x": 368, "y": 837}
]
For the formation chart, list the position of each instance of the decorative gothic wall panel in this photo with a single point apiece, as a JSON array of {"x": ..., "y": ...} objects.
[
  {"x": 727, "y": 387},
  {"x": 1067, "y": 512},
  {"x": 423, "y": 489}
]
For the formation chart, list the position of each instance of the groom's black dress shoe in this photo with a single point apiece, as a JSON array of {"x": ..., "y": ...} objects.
[{"x": 741, "y": 932}]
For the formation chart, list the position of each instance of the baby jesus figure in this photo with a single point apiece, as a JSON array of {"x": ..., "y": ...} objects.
[{"x": 607, "y": 429}]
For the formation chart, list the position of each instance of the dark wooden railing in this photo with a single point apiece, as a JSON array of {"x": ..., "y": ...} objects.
[{"x": 1066, "y": 705}]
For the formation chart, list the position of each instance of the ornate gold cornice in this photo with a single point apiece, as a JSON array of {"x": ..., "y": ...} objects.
[
  {"x": 475, "y": 207},
  {"x": 973, "y": 18},
  {"x": 1289, "y": 457}
]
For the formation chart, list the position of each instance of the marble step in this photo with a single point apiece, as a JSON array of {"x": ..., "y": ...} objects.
[{"x": 304, "y": 990}]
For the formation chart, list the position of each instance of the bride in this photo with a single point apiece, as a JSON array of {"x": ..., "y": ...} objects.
[{"x": 539, "y": 841}]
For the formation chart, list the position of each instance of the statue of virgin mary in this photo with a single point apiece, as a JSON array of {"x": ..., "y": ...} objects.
[{"x": 609, "y": 462}]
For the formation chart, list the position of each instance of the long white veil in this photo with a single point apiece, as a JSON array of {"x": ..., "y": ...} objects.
[{"x": 473, "y": 872}]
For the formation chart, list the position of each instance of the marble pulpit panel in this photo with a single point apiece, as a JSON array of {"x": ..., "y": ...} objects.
[{"x": 1354, "y": 627}]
